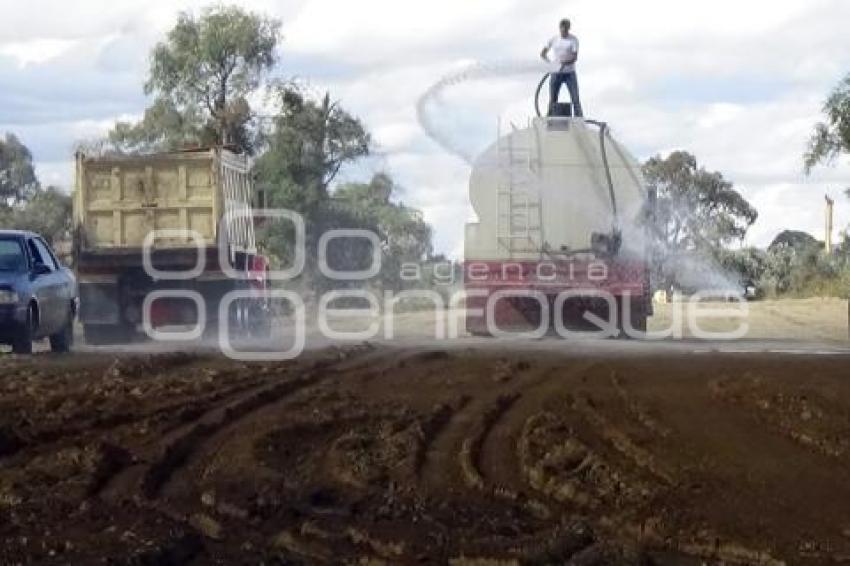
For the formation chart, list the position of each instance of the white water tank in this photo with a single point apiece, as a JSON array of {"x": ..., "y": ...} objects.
[{"x": 543, "y": 191}]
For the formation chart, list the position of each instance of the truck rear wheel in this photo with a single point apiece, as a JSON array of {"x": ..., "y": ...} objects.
[
  {"x": 106, "y": 334},
  {"x": 637, "y": 316},
  {"x": 259, "y": 321},
  {"x": 63, "y": 340},
  {"x": 249, "y": 318}
]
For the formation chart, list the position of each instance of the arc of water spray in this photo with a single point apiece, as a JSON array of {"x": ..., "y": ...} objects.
[{"x": 475, "y": 71}]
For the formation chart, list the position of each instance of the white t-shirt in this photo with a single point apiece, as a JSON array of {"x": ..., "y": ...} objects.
[{"x": 563, "y": 49}]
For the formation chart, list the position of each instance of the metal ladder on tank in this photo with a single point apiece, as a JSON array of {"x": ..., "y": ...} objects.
[{"x": 520, "y": 216}]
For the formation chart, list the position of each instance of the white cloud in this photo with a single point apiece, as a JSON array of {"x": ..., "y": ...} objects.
[
  {"x": 55, "y": 173},
  {"x": 35, "y": 51}
]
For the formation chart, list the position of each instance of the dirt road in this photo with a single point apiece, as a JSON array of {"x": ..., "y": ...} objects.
[{"x": 465, "y": 452}]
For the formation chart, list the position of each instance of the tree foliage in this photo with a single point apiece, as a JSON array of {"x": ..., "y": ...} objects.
[
  {"x": 201, "y": 77},
  {"x": 831, "y": 137},
  {"x": 17, "y": 174},
  {"x": 46, "y": 212},
  {"x": 795, "y": 239},
  {"x": 163, "y": 127},
  {"x": 795, "y": 264},
  {"x": 747, "y": 264},
  {"x": 24, "y": 204},
  {"x": 404, "y": 235},
  {"x": 311, "y": 140},
  {"x": 696, "y": 210},
  {"x": 801, "y": 271}
]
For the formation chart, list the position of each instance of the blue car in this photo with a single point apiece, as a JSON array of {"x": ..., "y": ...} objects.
[{"x": 38, "y": 295}]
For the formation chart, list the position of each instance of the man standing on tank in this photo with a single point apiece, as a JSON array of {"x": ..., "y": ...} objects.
[{"x": 565, "y": 49}]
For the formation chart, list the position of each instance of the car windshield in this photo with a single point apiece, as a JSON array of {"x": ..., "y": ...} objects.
[{"x": 11, "y": 256}]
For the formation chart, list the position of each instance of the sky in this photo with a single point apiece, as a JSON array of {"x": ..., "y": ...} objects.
[{"x": 739, "y": 84}]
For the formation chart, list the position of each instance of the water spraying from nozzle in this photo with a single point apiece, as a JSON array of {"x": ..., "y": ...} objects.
[{"x": 431, "y": 99}]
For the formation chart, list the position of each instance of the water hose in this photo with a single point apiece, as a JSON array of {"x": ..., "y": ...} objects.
[
  {"x": 603, "y": 128},
  {"x": 537, "y": 94}
]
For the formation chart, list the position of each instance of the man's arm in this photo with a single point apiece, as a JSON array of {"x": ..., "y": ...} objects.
[{"x": 545, "y": 53}]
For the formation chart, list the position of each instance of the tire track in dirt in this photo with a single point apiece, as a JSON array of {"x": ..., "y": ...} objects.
[
  {"x": 616, "y": 437},
  {"x": 488, "y": 456},
  {"x": 470, "y": 449},
  {"x": 441, "y": 470},
  {"x": 438, "y": 423},
  {"x": 183, "y": 409},
  {"x": 145, "y": 482},
  {"x": 346, "y": 435},
  {"x": 339, "y": 394},
  {"x": 537, "y": 386},
  {"x": 84, "y": 419},
  {"x": 543, "y": 544},
  {"x": 639, "y": 410},
  {"x": 175, "y": 450},
  {"x": 567, "y": 449}
]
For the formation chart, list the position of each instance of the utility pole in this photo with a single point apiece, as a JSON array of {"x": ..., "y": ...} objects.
[{"x": 828, "y": 225}]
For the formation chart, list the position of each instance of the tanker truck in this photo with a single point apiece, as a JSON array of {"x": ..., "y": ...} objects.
[
  {"x": 175, "y": 227},
  {"x": 561, "y": 231}
]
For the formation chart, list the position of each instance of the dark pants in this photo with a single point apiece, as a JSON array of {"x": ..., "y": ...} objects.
[{"x": 569, "y": 79}]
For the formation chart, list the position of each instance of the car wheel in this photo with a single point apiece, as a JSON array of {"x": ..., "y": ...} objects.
[
  {"x": 64, "y": 339},
  {"x": 22, "y": 344}
]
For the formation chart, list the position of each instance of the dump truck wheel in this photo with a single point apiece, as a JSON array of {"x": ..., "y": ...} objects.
[
  {"x": 63, "y": 340},
  {"x": 260, "y": 322}
]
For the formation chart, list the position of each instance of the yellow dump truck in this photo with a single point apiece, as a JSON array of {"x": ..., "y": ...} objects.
[{"x": 174, "y": 227}]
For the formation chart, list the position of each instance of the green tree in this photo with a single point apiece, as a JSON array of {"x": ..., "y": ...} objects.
[
  {"x": 163, "y": 127},
  {"x": 804, "y": 271},
  {"x": 698, "y": 213},
  {"x": 404, "y": 235},
  {"x": 796, "y": 239},
  {"x": 201, "y": 77},
  {"x": 831, "y": 137},
  {"x": 17, "y": 175},
  {"x": 46, "y": 212},
  {"x": 310, "y": 141},
  {"x": 697, "y": 210},
  {"x": 747, "y": 264}
]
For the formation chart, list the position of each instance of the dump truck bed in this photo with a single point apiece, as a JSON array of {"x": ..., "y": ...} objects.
[{"x": 176, "y": 198}]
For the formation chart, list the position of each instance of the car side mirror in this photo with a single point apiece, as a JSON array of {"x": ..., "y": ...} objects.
[{"x": 41, "y": 269}]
